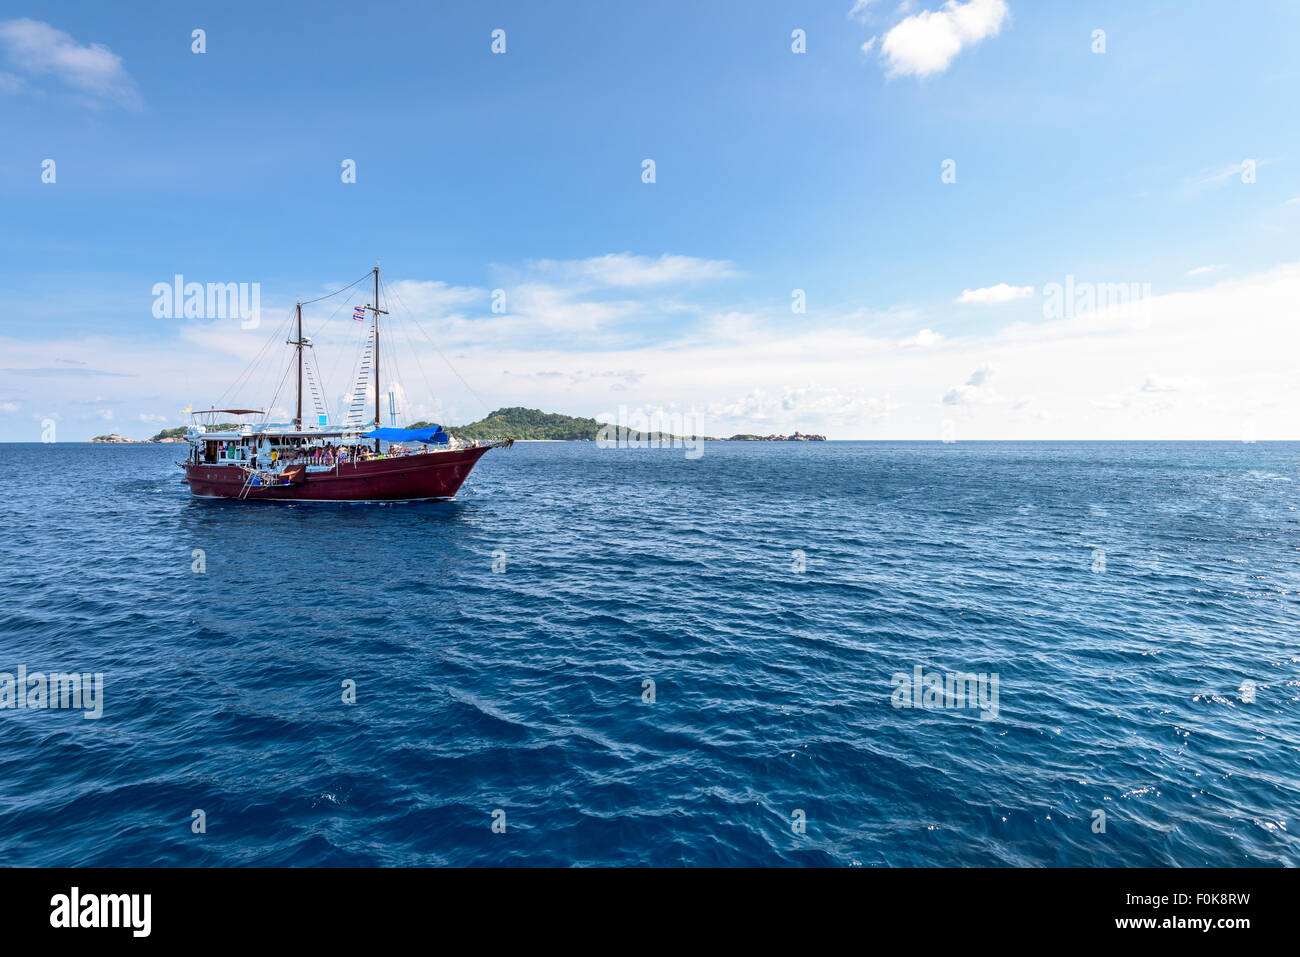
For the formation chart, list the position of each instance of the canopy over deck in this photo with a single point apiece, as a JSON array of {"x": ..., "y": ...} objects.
[{"x": 434, "y": 435}]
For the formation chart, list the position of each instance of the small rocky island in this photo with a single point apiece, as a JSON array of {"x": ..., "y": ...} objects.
[
  {"x": 796, "y": 437},
  {"x": 167, "y": 435}
]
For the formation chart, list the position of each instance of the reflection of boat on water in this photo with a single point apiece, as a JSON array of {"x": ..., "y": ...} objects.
[{"x": 293, "y": 462}]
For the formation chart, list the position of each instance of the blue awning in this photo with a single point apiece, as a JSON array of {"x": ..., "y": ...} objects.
[{"x": 432, "y": 435}]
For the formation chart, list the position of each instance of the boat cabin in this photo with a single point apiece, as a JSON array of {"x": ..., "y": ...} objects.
[
  {"x": 275, "y": 447},
  {"x": 267, "y": 447}
]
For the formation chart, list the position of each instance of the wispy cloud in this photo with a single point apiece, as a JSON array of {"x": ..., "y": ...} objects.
[
  {"x": 927, "y": 42},
  {"x": 620, "y": 378},
  {"x": 436, "y": 298},
  {"x": 1216, "y": 176},
  {"x": 50, "y": 371},
  {"x": 1201, "y": 270},
  {"x": 626, "y": 269},
  {"x": 92, "y": 71},
  {"x": 860, "y": 9}
]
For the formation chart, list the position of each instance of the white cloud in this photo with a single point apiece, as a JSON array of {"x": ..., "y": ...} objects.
[
  {"x": 927, "y": 42},
  {"x": 94, "y": 71},
  {"x": 752, "y": 370},
  {"x": 867, "y": 47},
  {"x": 994, "y": 294},
  {"x": 975, "y": 390},
  {"x": 924, "y": 339},
  {"x": 1157, "y": 384},
  {"x": 1201, "y": 270}
]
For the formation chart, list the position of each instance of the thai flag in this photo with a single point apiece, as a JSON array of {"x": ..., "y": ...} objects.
[{"x": 359, "y": 313}]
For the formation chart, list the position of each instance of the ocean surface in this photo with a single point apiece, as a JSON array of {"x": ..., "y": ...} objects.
[{"x": 1136, "y": 604}]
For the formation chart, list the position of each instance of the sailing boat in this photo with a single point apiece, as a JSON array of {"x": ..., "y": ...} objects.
[{"x": 296, "y": 462}]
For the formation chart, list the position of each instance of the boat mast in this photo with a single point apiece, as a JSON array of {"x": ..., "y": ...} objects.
[
  {"x": 298, "y": 344},
  {"x": 377, "y": 422},
  {"x": 297, "y": 422},
  {"x": 377, "y": 311}
]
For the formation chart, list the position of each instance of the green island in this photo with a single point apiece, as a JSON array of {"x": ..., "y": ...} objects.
[{"x": 535, "y": 425}]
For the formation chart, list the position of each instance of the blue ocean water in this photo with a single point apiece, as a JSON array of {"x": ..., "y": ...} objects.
[{"x": 1137, "y": 603}]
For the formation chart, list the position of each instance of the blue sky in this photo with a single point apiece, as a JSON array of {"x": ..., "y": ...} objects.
[{"x": 775, "y": 171}]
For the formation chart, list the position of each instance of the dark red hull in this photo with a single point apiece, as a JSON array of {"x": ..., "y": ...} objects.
[{"x": 431, "y": 475}]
